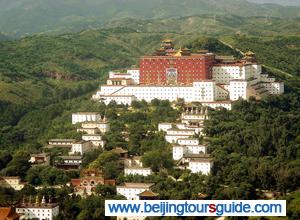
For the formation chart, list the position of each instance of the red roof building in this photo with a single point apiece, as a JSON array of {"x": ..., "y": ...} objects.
[
  {"x": 90, "y": 178},
  {"x": 8, "y": 213},
  {"x": 169, "y": 66}
]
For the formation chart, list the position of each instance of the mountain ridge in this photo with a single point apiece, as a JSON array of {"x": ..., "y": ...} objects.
[{"x": 26, "y": 17}]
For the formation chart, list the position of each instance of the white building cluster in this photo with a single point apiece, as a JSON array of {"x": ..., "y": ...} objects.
[
  {"x": 192, "y": 120},
  {"x": 92, "y": 125},
  {"x": 186, "y": 149},
  {"x": 230, "y": 81}
]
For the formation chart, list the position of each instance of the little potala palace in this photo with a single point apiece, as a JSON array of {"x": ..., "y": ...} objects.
[{"x": 204, "y": 77}]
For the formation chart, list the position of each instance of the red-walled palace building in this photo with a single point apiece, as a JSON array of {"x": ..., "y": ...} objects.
[{"x": 169, "y": 66}]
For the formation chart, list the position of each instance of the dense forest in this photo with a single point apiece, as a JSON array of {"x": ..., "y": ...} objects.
[{"x": 255, "y": 148}]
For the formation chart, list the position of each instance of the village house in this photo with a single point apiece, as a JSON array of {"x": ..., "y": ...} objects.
[
  {"x": 132, "y": 190},
  {"x": 40, "y": 159},
  {"x": 12, "y": 182}
]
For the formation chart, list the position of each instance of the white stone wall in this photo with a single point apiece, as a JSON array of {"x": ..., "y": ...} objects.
[
  {"x": 226, "y": 105},
  {"x": 238, "y": 89},
  {"x": 188, "y": 141},
  {"x": 274, "y": 88},
  {"x": 185, "y": 132},
  {"x": 137, "y": 171},
  {"x": 135, "y": 75},
  {"x": 96, "y": 140},
  {"x": 200, "y": 167},
  {"x": 80, "y": 147},
  {"x": 174, "y": 138},
  {"x": 178, "y": 151},
  {"x": 221, "y": 93},
  {"x": 200, "y": 91},
  {"x": 225, "y": 73},
  {"x": 119, "y": 99},
  {"x": 82, "y": 117}
]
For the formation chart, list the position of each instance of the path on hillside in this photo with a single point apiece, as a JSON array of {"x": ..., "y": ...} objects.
[
  {"x": 266, "y": 66},
  {"x": 232, "y": 47}
]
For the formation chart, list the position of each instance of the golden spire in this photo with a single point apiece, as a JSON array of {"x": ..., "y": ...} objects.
[
  {"x": 178, "y": 53},
  {"x": 37, "y": 199}
]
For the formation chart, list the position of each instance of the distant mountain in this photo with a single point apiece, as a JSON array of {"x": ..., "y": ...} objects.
[
  {"x": 23, "y": 17},
  {"x": 213, "y": 25},
  {"x": 279, "y": 2}
]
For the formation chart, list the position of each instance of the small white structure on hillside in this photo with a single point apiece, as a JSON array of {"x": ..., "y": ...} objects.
[
  {"x": 132, "y": 190},
  {"x": 134, "y": 166}
]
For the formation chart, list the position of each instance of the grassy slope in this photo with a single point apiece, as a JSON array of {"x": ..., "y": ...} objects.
[
  {"x": 36, "y": 63},
  {"x": 45, "y": 78}
]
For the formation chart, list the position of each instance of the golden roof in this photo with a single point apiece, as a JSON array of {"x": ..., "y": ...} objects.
[
  {"x": 178, "y": 53},
  {"x": 249, "y": 53},
  {"x": 167, "y": 41},
  {"x": 148, "y": 193}
]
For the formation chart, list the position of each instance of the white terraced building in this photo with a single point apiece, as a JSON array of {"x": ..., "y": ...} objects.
[
  {"x": 201, "y": 165},
  {"x": 40, "y": 211},
  {"x": 95, "y": 139},
  {"x": 81, "y": 147},
  {"x": 196, "y": 163},
  {"x": 102, "y": 126},
  {"x": 230, "y": 81},
  {"x": 180, "y": 150}
]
